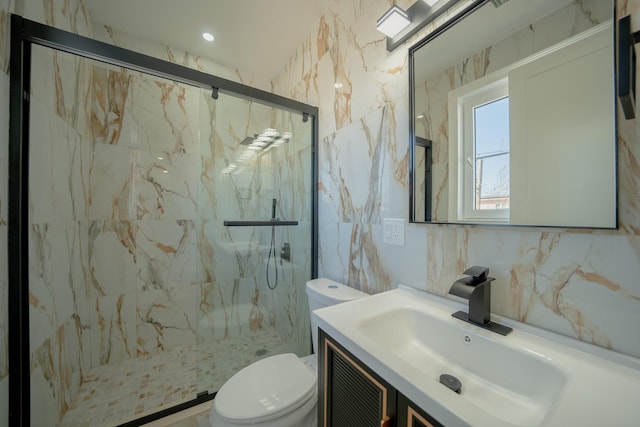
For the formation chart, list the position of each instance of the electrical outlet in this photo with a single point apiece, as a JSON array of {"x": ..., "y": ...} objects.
[{"x": 393, "y": 231}]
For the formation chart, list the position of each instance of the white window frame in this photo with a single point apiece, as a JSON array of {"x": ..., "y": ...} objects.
[{"x": 462, "y": 103}]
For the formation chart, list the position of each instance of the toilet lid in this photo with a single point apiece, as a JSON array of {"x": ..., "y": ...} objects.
[{"x": 265, "y": 390}]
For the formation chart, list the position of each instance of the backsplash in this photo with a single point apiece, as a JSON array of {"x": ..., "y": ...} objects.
[{"x": 581, "y": 283}]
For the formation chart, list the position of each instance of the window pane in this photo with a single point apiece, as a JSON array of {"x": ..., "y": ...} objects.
[
  {"x": 491, "y": 152},
  {"x": 492, "y": 182}
]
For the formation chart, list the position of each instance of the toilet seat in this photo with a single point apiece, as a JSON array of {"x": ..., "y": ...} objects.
[{"x": 266, "y": 390}]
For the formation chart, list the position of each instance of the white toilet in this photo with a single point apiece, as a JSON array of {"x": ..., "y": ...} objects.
[{"x": 279, "y": 391}]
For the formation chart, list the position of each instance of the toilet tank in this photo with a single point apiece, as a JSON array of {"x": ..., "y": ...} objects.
[{"x": 323, "y": 293}]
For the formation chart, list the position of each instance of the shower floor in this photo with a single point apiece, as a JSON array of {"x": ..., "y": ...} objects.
[{"x": 114, "y": 394}]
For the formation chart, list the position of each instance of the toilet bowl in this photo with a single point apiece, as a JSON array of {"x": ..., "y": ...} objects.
[{"x": 281, "y": 390}]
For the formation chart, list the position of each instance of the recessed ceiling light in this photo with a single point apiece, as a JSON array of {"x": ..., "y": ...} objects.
[
  {"x": 337, "y": 85},
  {"x": 208, "y": 37}
]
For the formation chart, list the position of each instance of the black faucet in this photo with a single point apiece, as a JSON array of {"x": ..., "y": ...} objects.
[{"x": 476, "y": 288}]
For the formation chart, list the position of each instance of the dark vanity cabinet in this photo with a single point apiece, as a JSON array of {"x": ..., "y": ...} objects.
[
  {"x": 409, "y": 415},
  {"x": 352, "y": 395},
  {"x": 349, "y": 393}
]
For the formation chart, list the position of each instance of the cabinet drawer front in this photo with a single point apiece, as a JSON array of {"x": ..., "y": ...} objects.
[
  {"x": 416, "y": 420},
  {"x": 352, "y": 396}
]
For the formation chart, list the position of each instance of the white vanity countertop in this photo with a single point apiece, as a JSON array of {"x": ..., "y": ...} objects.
[{"x": 595, "y": 387}]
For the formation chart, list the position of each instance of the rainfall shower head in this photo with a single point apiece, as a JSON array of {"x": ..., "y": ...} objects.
[{"x": 269, "y": 138}]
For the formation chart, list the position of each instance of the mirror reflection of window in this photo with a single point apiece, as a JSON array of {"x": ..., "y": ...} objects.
[
  {"x": 556, "y": 60},
  {"x": 483, "y": 151},
  {"x": 491, "y": 155}
]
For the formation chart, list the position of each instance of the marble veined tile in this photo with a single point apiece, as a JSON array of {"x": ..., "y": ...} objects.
[
  {"x": 69, "y": 15},
  {"x": 333, "y": 250},
  {"x": 362, "y": 168},
  {"x": 59, "y": 159},
  {"x": 61, "y": 82},
  {"x": 112, "y": 257},
  {"x": 564, "y": 282},
  {"x": 56, "y": 267},
  {"x": 166, "y": 185},
  {"x": 111, "y": 196},
  {"x": 166, "y": 319},
  {"x": 229, "y": 309},
  {"x": 113, "y": 329},
  {"x": 283, "y": 303},
  {"x": 55, "y": 375},
  {"x": 293, "y": 180},
  {"x": 44, "y": 384},
  {"x": 110, "y": 90},
  {"x": 161, "y": 115},
  {"x": 166, "y": 254}
]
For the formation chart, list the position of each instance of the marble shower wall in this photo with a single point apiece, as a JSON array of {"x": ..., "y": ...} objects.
[
  {"x": 579, "y": 283},
  {"x": 236, "y": 258},
  {"x": 238, "y": 294},
  {"x": 58, "y": 192},
  {"x": 166, "y": 172},
  {"x": 143, "y": 212},
  {"x": 57, "y": 236}
]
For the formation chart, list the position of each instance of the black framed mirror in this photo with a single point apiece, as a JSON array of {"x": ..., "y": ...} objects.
[{"x": 516, "y": 103}]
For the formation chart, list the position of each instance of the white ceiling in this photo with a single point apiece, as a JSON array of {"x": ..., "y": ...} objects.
[{"x": 258, "y": 36}]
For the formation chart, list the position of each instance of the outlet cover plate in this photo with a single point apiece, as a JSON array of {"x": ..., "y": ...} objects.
[{"x": 393, "y": 231}]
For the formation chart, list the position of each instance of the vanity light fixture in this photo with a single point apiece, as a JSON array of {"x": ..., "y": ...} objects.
[
  {"x": 208, "y": 37},
  {"x": 393, "y": 21},
  {"x": 421, "y": 13}
]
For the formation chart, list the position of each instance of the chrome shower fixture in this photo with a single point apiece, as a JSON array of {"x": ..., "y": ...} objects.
[{"x": 269, "y": 138}]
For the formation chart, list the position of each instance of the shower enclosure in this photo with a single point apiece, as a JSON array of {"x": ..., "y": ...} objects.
[{"x": 162, "y": 228}]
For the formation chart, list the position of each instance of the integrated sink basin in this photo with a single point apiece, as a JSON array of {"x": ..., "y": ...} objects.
[
  {"x": 524, "y": 384},
  {"x": 531, "y": 377}
]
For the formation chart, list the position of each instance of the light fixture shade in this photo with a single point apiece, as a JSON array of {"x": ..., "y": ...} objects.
[
  {"x": 431, "y": 2},
  {"x": 393, "y": 21}
]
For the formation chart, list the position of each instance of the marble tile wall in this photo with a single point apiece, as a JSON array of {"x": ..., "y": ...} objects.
[
  {"x": 58, "y": 192},
  {"x": 57, "y": 210},
  {"x": 579, "y": 283},
  {"x": 158, "y": 200}
]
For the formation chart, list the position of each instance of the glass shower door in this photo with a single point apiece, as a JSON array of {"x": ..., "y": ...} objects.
[
  {"x": 255, "y": 238},
  {"x": 170, "y": 239}
]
